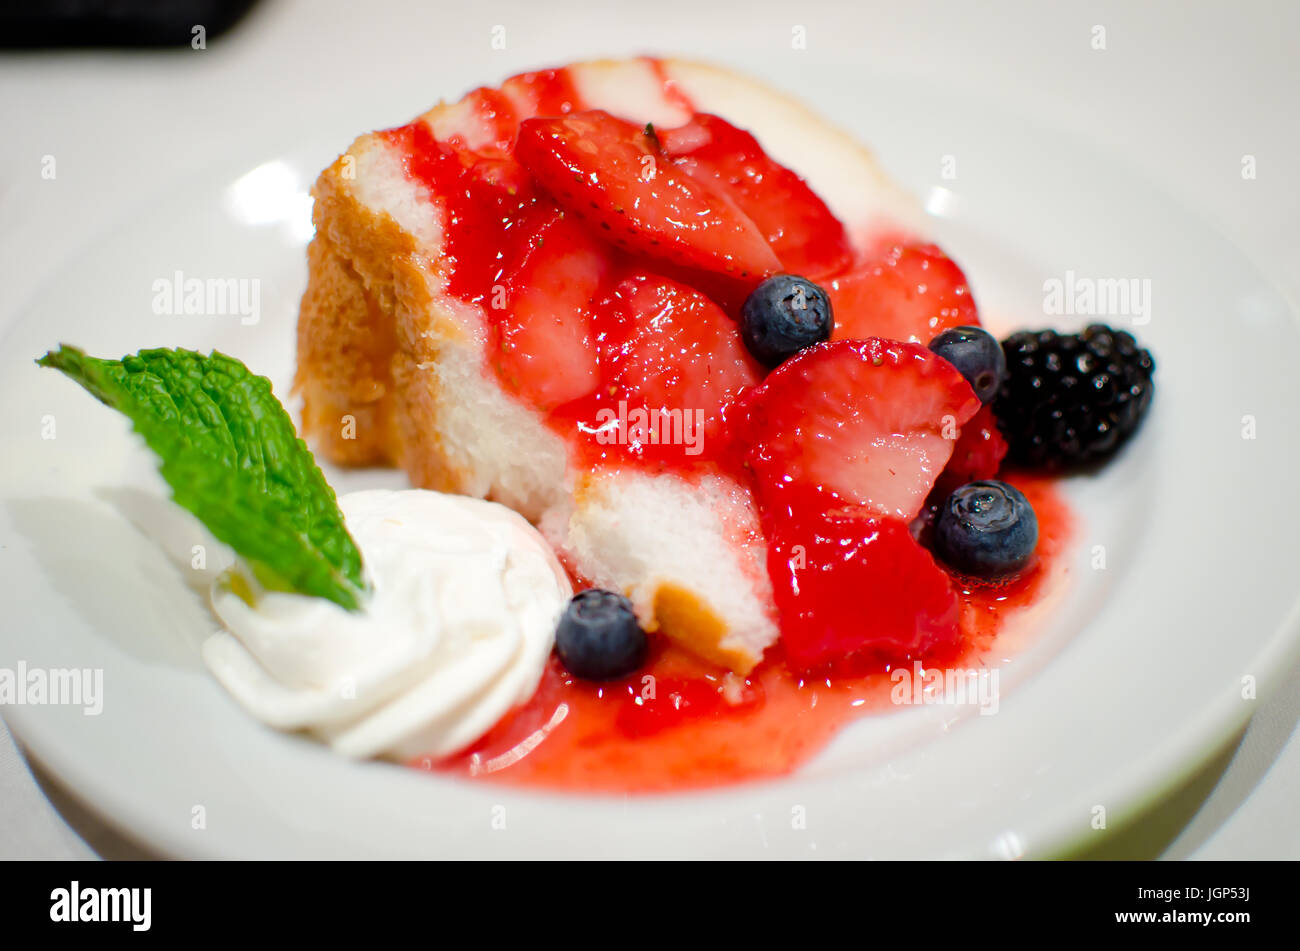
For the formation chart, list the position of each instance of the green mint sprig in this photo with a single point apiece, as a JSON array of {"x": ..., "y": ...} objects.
[{"x": 231, "y": 455}]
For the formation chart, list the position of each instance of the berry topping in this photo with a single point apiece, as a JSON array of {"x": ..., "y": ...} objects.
[
  {"x": 986, "y": 529},
  {"x": 667, "y": 350},
  {"x": 1070, "y": 399},
  {"x": 615, "y": 175},
  {"x": 870, "y": 422},
  {"x": 977, "y": 355},
  {"x": 978, "y": 454},
  {"x": 598, "y": 637},
  {"x": 542, "y": 333},
  {"x": 848, "y": 585},
  {"x": 783, "y": 315},
  {"x": 797, "y": 224},
  {"x": 910, "y": 292}
]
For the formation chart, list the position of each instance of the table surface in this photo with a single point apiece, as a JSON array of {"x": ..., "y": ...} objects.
[{"x": 1182, "y": 91}]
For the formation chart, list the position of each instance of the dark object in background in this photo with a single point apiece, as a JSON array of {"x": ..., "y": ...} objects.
[{"x": 31, "y": 24}]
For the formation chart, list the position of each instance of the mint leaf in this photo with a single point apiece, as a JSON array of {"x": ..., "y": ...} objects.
[{"x": 231, "y": 455}]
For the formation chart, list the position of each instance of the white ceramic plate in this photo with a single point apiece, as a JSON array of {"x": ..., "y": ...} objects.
[{"x": 1128, "y": 679}]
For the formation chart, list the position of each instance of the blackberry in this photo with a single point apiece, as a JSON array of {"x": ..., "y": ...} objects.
[{"x": 1072, "y": 399}]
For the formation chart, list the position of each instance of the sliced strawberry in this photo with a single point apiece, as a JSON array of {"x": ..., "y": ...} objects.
[
  {"x": 977, "y": 455},
  {"x": 508, "y": 179},
  {"x": 615, "y": 175},
  {"x": 854, "y": 588},
  {"x": 869, "y": 422},
  {"x": 909, "y": 292},
  {"x": 669, "y": 352},
  {"x": 809, "y": 240},
  {"x": 542, "y": 314}
]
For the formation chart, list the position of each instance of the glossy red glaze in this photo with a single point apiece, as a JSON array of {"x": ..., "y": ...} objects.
[
  {"x": 700, "y": 728},
  {"x": 583, "y": 329}
]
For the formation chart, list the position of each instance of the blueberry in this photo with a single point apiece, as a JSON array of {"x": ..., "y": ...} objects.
[
  {"x": 986, "y": 529},
  {"x": 977, "y": 355},
  {"x": 598, "y": 636},
  {"x": 784, "y": 315}
]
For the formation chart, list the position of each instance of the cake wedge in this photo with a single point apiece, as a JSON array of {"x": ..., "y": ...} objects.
[{"x": 530, "y": 295}]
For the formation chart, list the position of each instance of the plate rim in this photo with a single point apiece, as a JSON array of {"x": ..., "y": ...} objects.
[{"x": 1219, "y": 721}]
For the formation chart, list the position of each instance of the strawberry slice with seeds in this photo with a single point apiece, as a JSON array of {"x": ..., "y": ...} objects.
[
  {"x": 616, "y": 175},
  {"x": 809, "y": 240},
  {"x": 859, "y": 422},
  {"x": 909, "y": 292},
  {"x": 674, "y": 362},
  {"x": 543, "y": 313},
  {"x": 853, "y": 588},
  {"x": 668, "y": 344}
]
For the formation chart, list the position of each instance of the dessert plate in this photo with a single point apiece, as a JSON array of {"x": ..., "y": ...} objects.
[{"x": 1176, "y": 609}]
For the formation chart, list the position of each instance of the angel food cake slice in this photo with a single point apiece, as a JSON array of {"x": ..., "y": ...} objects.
[{"x": 533, "y": 295}]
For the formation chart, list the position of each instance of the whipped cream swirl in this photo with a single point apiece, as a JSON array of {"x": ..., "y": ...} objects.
[{"x": 455, "y": 633}]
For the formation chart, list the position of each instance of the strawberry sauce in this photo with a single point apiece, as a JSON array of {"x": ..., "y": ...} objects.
[
  {"x": 691, "y": 726},
  {"x": 600, "y": 302}
]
